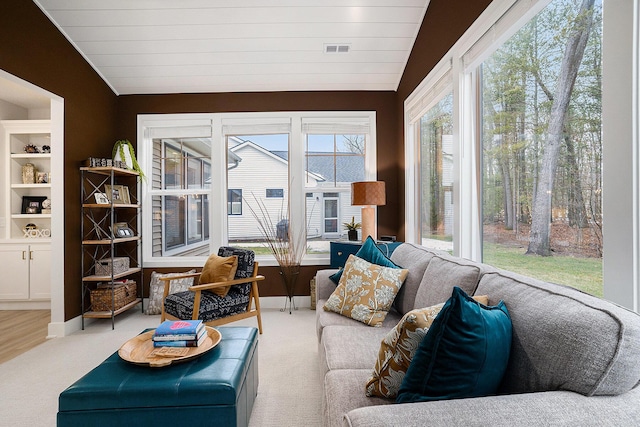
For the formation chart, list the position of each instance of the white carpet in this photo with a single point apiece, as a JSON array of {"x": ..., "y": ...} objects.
[{"x": 289, "y": 393}]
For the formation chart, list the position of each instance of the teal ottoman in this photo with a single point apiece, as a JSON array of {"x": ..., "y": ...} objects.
[{"x": 217, "y": 388}]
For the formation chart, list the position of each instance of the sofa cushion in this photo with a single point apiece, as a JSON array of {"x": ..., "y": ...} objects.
[
  {"x": 415, "y": 259},
  {"x": 564, "y": 339},
  {"x": 464, "y": 353},
  {"x": 442, "y": 274},
  {"x": 370, "y": 252},
  {"x": 398, "y": 347},
  {"x": 553, "y": 408},
  {"x": 366, "y": 291},
  {"x": 348, "y": 347},
  {"x": 343, "y": 392},
  {"x": 329, "y": 318}
]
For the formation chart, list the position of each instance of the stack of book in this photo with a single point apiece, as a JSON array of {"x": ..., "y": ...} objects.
[{"x": 179, "y": 333}]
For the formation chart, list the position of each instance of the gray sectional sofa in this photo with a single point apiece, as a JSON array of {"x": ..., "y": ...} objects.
[{"x": 575, "y": 359}]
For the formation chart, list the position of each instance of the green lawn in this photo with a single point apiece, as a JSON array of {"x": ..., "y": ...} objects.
[{"x": 581, "y": 273}]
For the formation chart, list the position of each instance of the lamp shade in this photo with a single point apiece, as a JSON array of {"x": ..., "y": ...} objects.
[{"x": 368, "y": 193}]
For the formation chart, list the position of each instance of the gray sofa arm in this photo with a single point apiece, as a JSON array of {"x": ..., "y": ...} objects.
[
  {"x": 554, "y": 408},
  {"x": 324, "y": 285}
]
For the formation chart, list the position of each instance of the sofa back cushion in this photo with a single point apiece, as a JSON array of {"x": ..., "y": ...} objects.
[
  {"x": 414, "y": 258},
  {"x": 564, "y": 339},
  {"x": 442, "y": 274}
]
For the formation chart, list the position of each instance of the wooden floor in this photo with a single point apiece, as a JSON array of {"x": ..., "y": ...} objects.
[{"x": 21, "y": 330}]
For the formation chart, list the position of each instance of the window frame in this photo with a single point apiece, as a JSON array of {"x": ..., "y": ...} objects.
[
  {"x": 222, "y": 125},
  {"x": 621, "y": 184},
  {"x": 188, "y": 192}
]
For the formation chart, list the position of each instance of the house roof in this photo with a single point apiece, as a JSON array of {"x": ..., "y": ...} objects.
[
  {"x": 348, "y": 168},
  {"x": 278, "y": 155}
]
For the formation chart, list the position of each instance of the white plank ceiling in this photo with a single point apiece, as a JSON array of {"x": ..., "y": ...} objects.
[{"x": 195, "y": 46}]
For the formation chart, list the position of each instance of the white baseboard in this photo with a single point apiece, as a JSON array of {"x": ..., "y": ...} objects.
[
  {"x": 62, "y": 329},
  {"x": 279, "y": 302}
]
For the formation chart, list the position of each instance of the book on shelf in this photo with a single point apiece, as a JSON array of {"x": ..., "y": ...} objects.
[
  {"x": 178, "y": 330},
  {"x": 183, "y": 343}
]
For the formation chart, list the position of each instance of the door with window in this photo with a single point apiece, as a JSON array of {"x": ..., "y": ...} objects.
[{"x": 331, "y": 215}]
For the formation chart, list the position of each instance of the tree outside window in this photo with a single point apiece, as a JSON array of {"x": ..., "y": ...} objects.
[{"x": 542, "y": 147}]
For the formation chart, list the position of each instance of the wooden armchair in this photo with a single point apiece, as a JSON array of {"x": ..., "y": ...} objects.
[{"x": 199, "y": 302}]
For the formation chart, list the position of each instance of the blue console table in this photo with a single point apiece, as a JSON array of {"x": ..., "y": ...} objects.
[{"x": 341, "y": 250}]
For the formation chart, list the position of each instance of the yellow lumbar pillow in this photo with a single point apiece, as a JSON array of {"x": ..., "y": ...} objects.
[{"x": 219, "y": 269}]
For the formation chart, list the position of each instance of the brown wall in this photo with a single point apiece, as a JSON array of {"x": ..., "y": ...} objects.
[
  {"x": 33, "y": 49},
  {"x": 383, "y": 103}
]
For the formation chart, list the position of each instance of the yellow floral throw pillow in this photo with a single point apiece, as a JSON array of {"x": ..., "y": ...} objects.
[
  {"x": 366, "y": 291},
  {"x": 398, "y": 347}
]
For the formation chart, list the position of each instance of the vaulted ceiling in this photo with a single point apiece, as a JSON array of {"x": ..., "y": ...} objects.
[{"x": 190, "y": 46}]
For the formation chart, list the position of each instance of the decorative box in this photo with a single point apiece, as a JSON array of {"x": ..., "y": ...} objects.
[
  {"x": 103, "y": 299},
  {"x": 118, "y": 264},
  {"x": 96, "y": 162}
]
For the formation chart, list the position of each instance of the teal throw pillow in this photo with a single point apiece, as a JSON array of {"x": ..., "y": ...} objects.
[
  {"x": 464, "y": 353},
  {"x": 369, "y": 252}
]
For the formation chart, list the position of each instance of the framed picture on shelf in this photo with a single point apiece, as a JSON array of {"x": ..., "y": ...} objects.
[
  {"x": 101, "y": 198},
  {"x": 118, "y": 194},
  {"x": 121, "y": 229},
  {"x": 42, "y": 178},
  {"x": 32, "y": 204}
]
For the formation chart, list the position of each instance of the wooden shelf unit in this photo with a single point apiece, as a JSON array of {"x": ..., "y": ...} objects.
[{"x": 99, "y": 242}]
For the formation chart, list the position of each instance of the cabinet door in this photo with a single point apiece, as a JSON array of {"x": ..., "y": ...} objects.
[
  {"x": 15, "y": 277},
  {"x": 40, "y": 272},
  {"x": 340, "y": 252}
]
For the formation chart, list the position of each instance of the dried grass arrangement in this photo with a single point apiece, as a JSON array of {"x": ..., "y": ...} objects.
[{"x": 288, "y": 249}]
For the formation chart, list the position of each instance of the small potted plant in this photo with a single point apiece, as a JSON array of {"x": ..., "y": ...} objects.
[
  {"x": 352, "y": 228},
  {"x": 123, "y": 151}
]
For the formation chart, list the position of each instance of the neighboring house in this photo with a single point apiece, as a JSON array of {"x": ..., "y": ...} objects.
[
  {"x": 255, "y": 176},
  {"x": 328, "y": 200}
]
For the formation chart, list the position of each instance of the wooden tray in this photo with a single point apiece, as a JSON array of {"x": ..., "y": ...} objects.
[{"x": 138, "y": 349}]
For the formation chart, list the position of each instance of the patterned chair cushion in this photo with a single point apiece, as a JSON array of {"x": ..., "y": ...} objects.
[
  {"x": 246, "y": 260},
  {"x": 214, "y": 306}
]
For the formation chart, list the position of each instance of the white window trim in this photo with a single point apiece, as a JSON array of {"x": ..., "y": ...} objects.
[
  {"x": 621, "y": 128},
  {"x": 223, "y": 123}
]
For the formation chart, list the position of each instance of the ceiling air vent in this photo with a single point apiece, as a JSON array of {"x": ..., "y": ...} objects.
[{"x": 337, "y": 48}]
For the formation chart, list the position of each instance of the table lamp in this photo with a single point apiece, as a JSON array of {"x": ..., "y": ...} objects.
[{"x": 368, "y": 194}]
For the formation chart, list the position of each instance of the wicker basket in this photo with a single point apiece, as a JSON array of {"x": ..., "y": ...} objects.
[
  {"x": 119, "y": 264},
  {"x": 123, "y": 294},
  {"x": 312, "y": 288}
]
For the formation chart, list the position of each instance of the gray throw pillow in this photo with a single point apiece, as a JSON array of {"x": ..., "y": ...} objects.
[{"x": 156, "y": 289}]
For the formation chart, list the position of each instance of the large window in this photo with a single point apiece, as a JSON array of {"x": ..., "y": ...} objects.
[
  {"x": 508, "y": 133},
  {"x": 332, "y": 162},
  {"x": 262, "y": 173},
  {"x": 436, "y": 175},
  {"x": 179, "y": 202},
  {"x": 542, "y": 148},
  {"x": 212, "y": 172}
]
